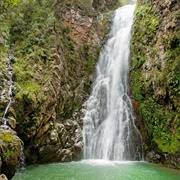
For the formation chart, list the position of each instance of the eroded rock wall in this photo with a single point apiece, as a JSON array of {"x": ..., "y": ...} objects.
[
  {"x": 55, "y": 48},
  {"x": 47, "y": 118}
]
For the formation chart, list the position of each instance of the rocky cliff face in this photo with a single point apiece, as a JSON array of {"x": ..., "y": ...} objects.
[
  {"x": 54, "y": 49},
  {"x": 47, "y": 117},
  {"x": 155, "y": 79}
]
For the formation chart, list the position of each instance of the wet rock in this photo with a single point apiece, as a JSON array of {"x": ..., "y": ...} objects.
[
  {"x": 66, "y": 155},
  {"x": 77, "y": 150},
  {"x": 49, "y": 153},
  {"x": 171, "y": 160},
  {"x": 54, "y": 135},
  {"x": 12, "y": 122},
  {"x": 61, "y": 144},
  {"x": 153, "y": 157}
]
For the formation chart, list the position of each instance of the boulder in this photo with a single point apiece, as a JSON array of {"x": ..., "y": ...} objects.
[{"x": 10, "y": 151}]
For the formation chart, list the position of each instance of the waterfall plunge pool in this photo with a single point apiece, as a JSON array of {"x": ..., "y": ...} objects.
[{"x": 97, "y": 170}]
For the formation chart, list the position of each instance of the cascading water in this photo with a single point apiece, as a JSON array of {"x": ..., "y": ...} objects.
[
  {"x": 7, "y": 83},
  {"x": 22, "y": 158},
  {"x": 9, "y": 93},
  {"x": 109, "y": 124}
]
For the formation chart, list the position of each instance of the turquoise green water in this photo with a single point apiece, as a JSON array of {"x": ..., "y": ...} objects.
[{"x": 97, "y": 170}]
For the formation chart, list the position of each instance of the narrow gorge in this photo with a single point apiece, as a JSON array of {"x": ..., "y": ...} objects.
[{"x": 49, "y": 53}]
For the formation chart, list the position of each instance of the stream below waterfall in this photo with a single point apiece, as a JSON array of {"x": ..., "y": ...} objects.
[{"x": 98, "y": 170}]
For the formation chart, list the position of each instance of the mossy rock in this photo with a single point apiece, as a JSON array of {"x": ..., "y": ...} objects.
[{"x": 10, "y": 148}]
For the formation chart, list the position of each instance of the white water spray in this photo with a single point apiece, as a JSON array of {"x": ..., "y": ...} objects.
[
  {"x": 9, "y": 93},
  {"x": 8, "y": 83},
  {"x": 109, "y": 124}
]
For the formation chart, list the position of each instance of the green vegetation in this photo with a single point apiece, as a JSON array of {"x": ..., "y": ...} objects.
[
  {"x": 31, "y": 37},
  {"x": 4, "y": 45},
  {"x": 12, "y": 153},
  {"x": 13, "y": 2},
  {"x": 52, "y": 69},
  {"x": 27, "y": 31},
  {"x": 155, "y": 76},
  {"x": 10, "y": 146},
  {"x": 6, "y": 137},
  {"x": 34, "y": 31},
  {"x": 124, "y": 2},
  {"x": 4, "y": 4}
]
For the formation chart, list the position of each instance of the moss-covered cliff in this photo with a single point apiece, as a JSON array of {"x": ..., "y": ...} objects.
[
  {"x": 155, "y": 77},
  {"x": 51, "y": 76},
  {"x": 51, "y": 47}
]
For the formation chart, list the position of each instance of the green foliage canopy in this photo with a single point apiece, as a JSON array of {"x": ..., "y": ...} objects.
[{"x": 13, "y": 2}]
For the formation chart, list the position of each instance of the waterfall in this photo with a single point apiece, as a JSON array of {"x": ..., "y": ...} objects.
[
  {"x": 8, "y": 86},
  {"x": 9, "y": 93},
  {"x": 109, "y": 129},
  {"x": 22, "y": 158}
]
